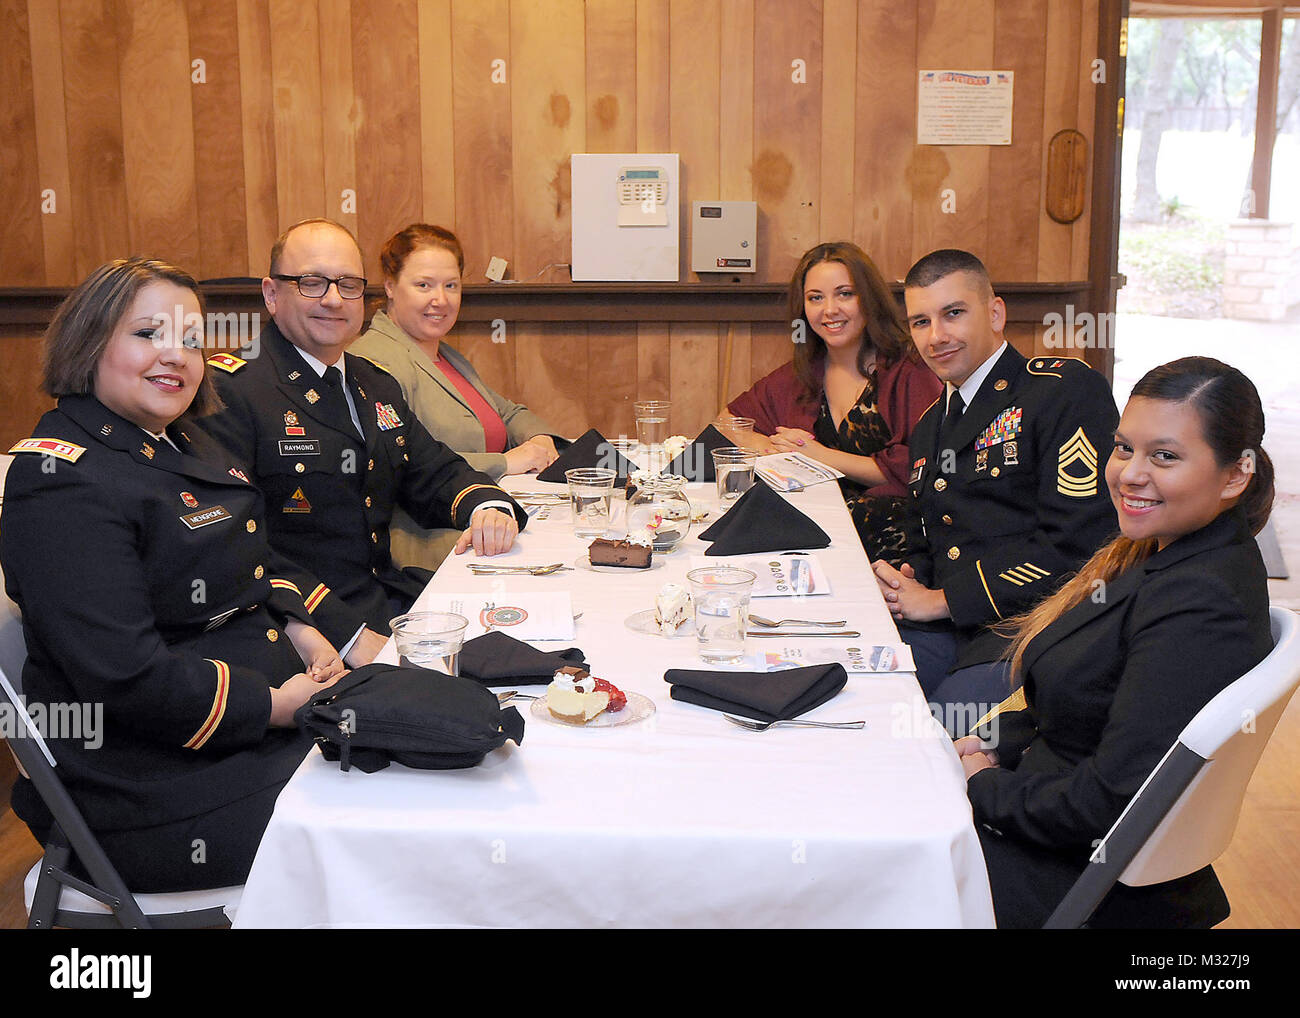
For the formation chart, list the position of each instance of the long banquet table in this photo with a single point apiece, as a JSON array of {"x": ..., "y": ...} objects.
[{"x": 681, "y": 820}]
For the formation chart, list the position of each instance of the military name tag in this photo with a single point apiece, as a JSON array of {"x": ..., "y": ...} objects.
[
  {"x": 309, "y": 447},
  {"x": 206, "y": 516}
]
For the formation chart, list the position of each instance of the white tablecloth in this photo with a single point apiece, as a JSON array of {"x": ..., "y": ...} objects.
[{"x": 679, "y": 821}]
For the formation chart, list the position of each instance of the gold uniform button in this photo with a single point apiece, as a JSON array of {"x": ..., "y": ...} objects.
[
  {"x": 251, "y": 526},
  {"x": 401, "y": 439},
  {"x": 940, "y": 484},
  {"x": 374, "y": 538},
  {"x": 299, "y": 467},
  {"x": 258, "y": 573},
  {"x": 995, "y": 471},
  {"x": 369, "y": 502},
  {"x": 272, "y": 635},
  {"x": 954, "y": 553},
  {"x": 370, "y": 465},
  {"x": 947, "y": 519},
  {"x": 406, "y": 458}
]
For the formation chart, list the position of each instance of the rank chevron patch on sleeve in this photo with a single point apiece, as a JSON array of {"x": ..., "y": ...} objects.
[{"x": 1076, "y": 467}]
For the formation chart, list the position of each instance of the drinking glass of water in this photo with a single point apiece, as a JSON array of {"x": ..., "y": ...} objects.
[
  {"x": 429, "y": 640},
  {"x": 652, "y": 422},
  {"x": 721, "y": 598},
  {"x": 590, "y": 489},
  {"x": 734, "y": 468}
]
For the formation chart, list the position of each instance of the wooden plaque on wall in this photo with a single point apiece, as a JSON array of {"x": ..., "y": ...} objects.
[{"x": 1067, "y": 175}]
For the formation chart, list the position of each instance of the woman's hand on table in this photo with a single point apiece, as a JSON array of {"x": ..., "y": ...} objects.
[
  {"x": 317, "y": 653},
  {"x": 796, "y": 440},
  {"x": 296, "y": 691},
  {"x": 537, "y": 453},
  {"x": 906, "y": 597},
  {"x": 491, "y": 532}
]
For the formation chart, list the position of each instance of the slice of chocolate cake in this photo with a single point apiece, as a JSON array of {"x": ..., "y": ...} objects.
[{"x": 628, "y": 554}]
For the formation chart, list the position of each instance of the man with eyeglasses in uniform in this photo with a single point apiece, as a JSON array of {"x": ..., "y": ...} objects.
[{"x": 334, "y": 446}]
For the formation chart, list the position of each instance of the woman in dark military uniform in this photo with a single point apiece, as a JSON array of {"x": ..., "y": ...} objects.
[
  {"x": 1116, "y": 663},
  {"x": 136, "y": 549}
]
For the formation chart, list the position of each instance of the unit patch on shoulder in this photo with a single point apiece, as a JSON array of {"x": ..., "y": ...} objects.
[
  {"x": 227, "y": 362},
  {"x": 1076, "y": 467},
  {"x": 50, "y": 447}
]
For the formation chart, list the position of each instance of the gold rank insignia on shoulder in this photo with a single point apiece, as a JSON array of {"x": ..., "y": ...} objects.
[
  {"x": 227, "y": 362},
  {"x": 313, "y": 396},
  {"x": 50, "y": 447},
  {"x": 1076, "y": 467}
]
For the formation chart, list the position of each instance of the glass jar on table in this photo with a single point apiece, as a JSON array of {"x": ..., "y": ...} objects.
[{"x": 660, "y": 509}]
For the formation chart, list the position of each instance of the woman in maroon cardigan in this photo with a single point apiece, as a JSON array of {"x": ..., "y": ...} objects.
[{"x": 853, "y": 392}]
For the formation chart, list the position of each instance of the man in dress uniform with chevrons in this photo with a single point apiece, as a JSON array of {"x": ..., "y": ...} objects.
[
  {"x": 1008, "y": 492},
  {"x": 334, "y": 446}
]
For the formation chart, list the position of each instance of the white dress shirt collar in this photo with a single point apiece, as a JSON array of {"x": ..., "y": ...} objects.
[{"x": 971, "y": 386}]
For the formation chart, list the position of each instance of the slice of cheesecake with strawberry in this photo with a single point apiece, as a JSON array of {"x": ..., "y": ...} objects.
[{"x": 576, "y": 697}]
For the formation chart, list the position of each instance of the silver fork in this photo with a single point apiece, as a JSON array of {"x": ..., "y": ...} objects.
[
  {"x": 763, "y": 726},
  {"x": 759, "y": 620},
  {"x": 514, "y": 694},
  {"x": 486, "y": 569}
]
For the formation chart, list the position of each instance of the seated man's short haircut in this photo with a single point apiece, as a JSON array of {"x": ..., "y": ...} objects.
[
  {"x": 938, "y": 264},
  {"x": 277, "y": 249}
]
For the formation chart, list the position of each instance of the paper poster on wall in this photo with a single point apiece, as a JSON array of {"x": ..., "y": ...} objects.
[{"x": 964, "y": 107}]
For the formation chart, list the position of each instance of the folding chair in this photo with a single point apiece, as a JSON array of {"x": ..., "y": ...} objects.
[
  {"x": 1184, "y": 815},
  {"x": 54, "y": 896}
]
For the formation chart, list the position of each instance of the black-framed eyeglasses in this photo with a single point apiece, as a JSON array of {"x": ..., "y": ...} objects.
[{"x": 312, "y": 285}]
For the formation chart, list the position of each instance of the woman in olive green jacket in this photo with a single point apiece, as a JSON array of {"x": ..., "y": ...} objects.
[{"x": 422, "y": 278}]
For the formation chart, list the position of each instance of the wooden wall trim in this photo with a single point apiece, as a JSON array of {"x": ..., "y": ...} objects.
[{"x": 1027, "y": 303}]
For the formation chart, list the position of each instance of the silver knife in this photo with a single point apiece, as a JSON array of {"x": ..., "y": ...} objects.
[{"x": 843, "y": 634}]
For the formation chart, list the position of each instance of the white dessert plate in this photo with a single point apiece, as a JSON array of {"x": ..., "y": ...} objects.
[
  {"x": 585, "y": 563},
  {"x": 644, "y": 622},
  {"x": 638, "y": 709}
]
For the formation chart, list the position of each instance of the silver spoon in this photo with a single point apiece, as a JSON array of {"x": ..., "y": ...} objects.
[{"x": 759, "y": 620}]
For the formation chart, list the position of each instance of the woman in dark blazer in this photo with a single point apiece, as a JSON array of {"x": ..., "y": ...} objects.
[
  {"x": 136, "y": 549},
  {"x": 1116, "y": 663}
]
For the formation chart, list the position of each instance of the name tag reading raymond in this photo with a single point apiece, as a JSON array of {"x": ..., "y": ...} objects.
[
  {"x": 205, "y": 516},
  {"x": 307, "y": 447}
]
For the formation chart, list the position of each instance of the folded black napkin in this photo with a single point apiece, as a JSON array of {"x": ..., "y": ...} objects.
[
  {"x": 765, "y": 696},
  {"x": 761, "y": 520},
  {"x": 696, "y": 461},
  {"x": 591, "y": 450},
  {"x": 497, "y": 659}
]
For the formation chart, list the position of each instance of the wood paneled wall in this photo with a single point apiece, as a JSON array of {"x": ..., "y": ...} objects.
[{"x": 394, "y": 101}]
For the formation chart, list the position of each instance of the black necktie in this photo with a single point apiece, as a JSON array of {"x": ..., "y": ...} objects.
[
  {"x": 955, "y": 407},
  {"x": 336, "y": 400}
]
